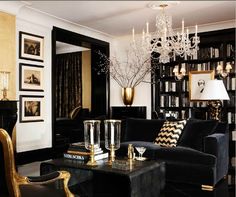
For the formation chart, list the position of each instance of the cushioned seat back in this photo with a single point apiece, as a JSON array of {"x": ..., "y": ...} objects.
[
  {"x": 142, "y": 129},
  {"x": 195, "y": 131}
]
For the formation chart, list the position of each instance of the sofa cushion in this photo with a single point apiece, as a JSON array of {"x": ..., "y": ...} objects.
[
  {"x": 195, "y": 131},
  {"x": 170, "y": 133},
  {"x": 177, "y": 154},
  {"x": 142, "y": 129}
]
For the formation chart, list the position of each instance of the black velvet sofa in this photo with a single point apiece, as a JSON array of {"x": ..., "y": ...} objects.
[{"x": 201, "y": 154}]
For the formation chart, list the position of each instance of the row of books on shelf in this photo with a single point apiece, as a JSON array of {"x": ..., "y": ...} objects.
[
  {"x": 210, "y": 52},
  {"x": 77, "y": 151},
  {"x": 231, "y": 101},
  {"x": 174, "y": 101},
  {"x": 231, "y": 117},
  {"x": 230, "y": 83},
  {"x": 166, "y": 71}
]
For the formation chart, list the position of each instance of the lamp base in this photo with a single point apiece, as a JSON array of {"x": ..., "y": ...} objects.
[{"x": 215, "y": 108}]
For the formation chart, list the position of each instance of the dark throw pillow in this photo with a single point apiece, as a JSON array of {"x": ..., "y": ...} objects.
[
  {"x": 195, "y": 131},
  {"x": 170, "y": 133}
]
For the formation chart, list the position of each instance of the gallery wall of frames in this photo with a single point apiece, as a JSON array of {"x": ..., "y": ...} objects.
[{"x": 31, "y": 77}]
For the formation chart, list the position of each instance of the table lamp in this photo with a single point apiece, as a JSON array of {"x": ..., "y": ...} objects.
[{"x": 214, "y": 92}]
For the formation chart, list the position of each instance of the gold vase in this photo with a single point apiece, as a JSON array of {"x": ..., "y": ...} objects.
[{"x": 128, "y": 96}]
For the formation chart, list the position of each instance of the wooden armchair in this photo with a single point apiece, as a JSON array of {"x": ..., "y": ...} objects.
[{"x": 20, "y": 186}]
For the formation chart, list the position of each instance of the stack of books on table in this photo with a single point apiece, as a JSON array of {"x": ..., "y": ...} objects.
[{"x": 78, "y": 151}]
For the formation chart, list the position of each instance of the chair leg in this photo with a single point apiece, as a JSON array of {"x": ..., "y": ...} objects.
[{"x": 207, "y": 187}]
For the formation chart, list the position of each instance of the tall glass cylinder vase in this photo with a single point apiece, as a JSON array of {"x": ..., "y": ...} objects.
[
  {"x": 112, "y": 137},
  {"x": 92, "y": 138}
]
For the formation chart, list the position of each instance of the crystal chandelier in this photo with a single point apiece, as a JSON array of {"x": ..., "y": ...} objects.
[{"x": 165, "y": 42}]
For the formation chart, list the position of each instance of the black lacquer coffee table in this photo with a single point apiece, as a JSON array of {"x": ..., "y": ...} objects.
[{"x": 145, "y": 179}]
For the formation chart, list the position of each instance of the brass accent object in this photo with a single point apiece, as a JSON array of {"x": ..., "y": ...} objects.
[
  {"x": 112, "y": 154},
  {"x": 131, "y": 154},
  {"x": 92, "y": 161},
  {"x": 14, "y": 180},
  {"x": 207, "y": 187},
  {"x": 215, "y": 108},
  {"x": 4, "y": 94},
  {"x": 128, "y": 96}
]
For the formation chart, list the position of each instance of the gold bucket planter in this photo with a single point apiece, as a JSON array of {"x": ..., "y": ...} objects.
[{"x": 128, "y": 96}]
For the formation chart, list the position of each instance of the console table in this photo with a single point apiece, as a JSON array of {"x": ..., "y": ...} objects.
[
  {"x": 144, "y": 179},
  {"x": 120, "y": 112}
]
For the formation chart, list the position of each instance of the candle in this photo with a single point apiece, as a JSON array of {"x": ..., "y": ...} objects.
[
  {"x": 92, "y": 134},
  {"x": 182, "y": 27},
  {"x": 147, "y": 26},
  {"x": 187, "y": 33},
  {"x": 165, "y": 33},
  {"x": 196, "y": 30},
  {"x": 133, "y": 34},
  {"x": 143, "y": 37},
  {"x": 112, "y": 134}
]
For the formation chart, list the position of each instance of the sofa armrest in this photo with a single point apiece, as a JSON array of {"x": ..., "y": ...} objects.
[{"x": 218, "y": 145}]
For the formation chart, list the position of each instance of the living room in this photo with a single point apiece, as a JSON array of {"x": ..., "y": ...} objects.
[{"x": 20, "y": 19}]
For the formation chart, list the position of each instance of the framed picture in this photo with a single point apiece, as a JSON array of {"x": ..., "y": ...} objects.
[
  {"x": 31, "y": 77},
  {"x": 31, "y": 47},
  {"x": 197, "y": 82},
  {"x": 31, "y": 108}
]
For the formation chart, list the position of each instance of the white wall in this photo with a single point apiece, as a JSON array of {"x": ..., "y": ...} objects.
[
  {"x": 142, "y": 95},
  {"x": 38, "y": 135}
]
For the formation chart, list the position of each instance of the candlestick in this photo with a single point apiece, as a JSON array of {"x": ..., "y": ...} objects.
[
  {"x": 182, "y": 27},
  {"x": 196, "y": 30},
  {"x": 133, "y": 34},
  {"x": 147, "y": 27}
]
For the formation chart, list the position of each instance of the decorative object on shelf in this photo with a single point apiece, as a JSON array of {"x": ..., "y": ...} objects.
[
  {"x": 31, "y": 47},
  {"x": 4, "y": 77},
  {"x": 181, "y": 74},
  {"x": 31, "y": 108},
  {"x": 92, "y": 138},
  {"x": 31, "y": 77},
  {"x": 223, "y": 73},
  {"x": 214, "y": 92},
  {"x": 164, "y": 41},
  {"x": 112, "y": 137},
  {"x": 197, "y": 82},
  {"x": 128, "y": 96}
]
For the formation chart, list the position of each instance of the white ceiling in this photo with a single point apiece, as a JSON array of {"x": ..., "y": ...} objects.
[{"x": 117, "y": 18}]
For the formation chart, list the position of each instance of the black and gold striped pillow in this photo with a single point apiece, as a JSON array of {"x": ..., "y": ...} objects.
[{"x": 170, "y": 133}]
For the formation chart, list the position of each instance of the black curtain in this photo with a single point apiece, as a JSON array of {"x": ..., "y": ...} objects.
[{"x": 68, "y": 83}]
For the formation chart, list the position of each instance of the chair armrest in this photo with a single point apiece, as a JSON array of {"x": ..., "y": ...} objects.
[
  {"x": 218, "y": 145},
  {"x": 43, "y": 178}
]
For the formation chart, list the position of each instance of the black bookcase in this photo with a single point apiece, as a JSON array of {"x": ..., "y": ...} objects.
[{"x": 170, "y": 98}]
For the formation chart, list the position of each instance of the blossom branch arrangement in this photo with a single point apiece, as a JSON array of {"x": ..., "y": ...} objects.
[{"x": 129, "y": 72}]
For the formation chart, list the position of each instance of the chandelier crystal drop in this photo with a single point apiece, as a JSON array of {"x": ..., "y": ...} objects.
[{"x": 165, "y": 42}]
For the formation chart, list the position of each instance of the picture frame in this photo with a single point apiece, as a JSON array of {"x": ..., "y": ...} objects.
[
  {"x": 31, "y": 47},
  {"x": 31, "y": 108},
  {"x": 197, "y": 82},
  {"x": 31, "y": 77}
]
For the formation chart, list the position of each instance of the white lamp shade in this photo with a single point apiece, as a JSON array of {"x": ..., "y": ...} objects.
[{"x": 214, "y": 90}]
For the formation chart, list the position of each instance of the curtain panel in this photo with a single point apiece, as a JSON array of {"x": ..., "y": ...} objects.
[{"x": 68, "y": 83}]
